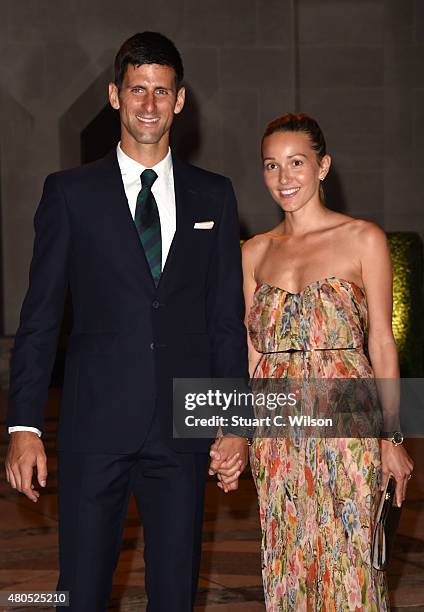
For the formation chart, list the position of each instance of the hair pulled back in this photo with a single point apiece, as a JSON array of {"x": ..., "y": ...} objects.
[{"x": 299, "y": 122}]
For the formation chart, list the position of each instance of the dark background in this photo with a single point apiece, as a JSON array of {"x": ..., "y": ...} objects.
[{"x": 356, "y": 65}]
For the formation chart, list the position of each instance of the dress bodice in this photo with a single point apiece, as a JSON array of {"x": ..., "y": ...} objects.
[{"x": 330, "y": 313}]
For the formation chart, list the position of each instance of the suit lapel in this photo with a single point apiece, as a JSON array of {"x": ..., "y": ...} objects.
[
  {"x": 115, "y": 205},
  {"x": 185, "y": 203}
]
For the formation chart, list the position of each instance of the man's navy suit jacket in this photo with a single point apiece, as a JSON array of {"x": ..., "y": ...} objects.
[{"x": 129, "y": 338}]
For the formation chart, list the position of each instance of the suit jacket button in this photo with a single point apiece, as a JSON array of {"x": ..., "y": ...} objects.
[
  {"x": 152, "y": 346},
  {"x": 155, "y": 304}
]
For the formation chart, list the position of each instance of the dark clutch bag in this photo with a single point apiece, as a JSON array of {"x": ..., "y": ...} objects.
[{"x": 387, "y": 522}]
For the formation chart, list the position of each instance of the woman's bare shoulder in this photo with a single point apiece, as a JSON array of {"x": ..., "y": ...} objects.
[
  {"x": 257, "y": 244},
  {"x": 365, "y": 233},
  {"x": 254, "y": 251}
]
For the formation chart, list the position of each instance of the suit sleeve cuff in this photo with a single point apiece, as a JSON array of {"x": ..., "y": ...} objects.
[{"x": 24, "y": 428}]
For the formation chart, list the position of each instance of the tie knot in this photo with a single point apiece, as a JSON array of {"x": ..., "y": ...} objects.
[{"x": 148, "y": 177}]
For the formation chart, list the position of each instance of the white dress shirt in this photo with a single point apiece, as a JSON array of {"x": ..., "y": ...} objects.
[
  {"x": 162, "y": 189},
  {"x": 164, "y": 192}
]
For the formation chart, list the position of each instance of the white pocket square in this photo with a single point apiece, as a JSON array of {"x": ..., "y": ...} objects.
[{"x": 204, "y": 225}]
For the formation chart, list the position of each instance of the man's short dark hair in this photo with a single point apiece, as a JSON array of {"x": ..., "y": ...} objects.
[{"x": 148, "y": 48}]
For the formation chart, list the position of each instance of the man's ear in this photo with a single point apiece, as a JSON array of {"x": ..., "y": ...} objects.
[
  {"x": 179, "y": 104},
  {"x": 114, "y": 96}
]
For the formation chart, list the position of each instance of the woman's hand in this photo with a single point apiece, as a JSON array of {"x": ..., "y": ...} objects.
[
  {"x": 229, "y": 473},
  {"x": 229, "y": 457},
  {"x": 395, "y": 461}
]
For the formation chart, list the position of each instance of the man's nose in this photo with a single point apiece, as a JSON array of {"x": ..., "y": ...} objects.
[{"x": 149, "y": 102}]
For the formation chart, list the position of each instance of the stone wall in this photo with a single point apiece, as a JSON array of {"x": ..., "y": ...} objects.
[{"x": 354, "y": 64}]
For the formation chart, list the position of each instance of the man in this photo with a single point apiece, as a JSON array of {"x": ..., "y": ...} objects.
[{"x": 149, "y": 248}]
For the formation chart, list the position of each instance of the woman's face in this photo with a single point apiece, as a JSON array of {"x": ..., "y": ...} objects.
[{"x": 291, "y": 169}]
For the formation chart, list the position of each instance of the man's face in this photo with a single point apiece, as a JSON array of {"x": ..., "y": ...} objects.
[{"x": 147, "y": 102}]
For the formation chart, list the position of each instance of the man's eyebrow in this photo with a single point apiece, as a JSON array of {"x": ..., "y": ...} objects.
[{"x": 140, "y": 86}]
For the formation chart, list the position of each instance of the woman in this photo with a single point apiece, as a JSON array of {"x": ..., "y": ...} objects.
[{"x": 314, "y": 286}]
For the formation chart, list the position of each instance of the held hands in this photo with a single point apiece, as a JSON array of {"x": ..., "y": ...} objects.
[
  {"x": 229, "y": 455},
  {"x": 25, "y": 452},
  {"x": 396, "y": 461}
]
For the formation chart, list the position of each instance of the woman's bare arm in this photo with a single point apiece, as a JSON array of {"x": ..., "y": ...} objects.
[
  {"x": 250, "y": 253},
  {"x": 377, "y": 279}
]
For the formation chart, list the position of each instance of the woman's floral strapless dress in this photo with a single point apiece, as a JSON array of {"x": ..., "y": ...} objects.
[{"x": 317, "y": 496}]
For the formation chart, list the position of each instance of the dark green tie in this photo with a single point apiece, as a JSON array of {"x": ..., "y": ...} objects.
[{"x": 148, "y": 224}]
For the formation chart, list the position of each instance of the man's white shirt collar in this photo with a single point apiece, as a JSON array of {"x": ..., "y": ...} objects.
[{"x": 132, "y": 168}]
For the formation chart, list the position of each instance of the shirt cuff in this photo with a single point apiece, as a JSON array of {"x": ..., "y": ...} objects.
[{"x": 24, "y": 428}]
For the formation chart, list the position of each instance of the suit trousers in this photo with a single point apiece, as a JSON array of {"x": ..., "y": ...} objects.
[{"x": 94, "y": 490}]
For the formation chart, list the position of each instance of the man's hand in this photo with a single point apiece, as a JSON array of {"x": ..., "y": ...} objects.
[
  {"x": 25, "y": 452},
  {"x": 229, "y": 456}
]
